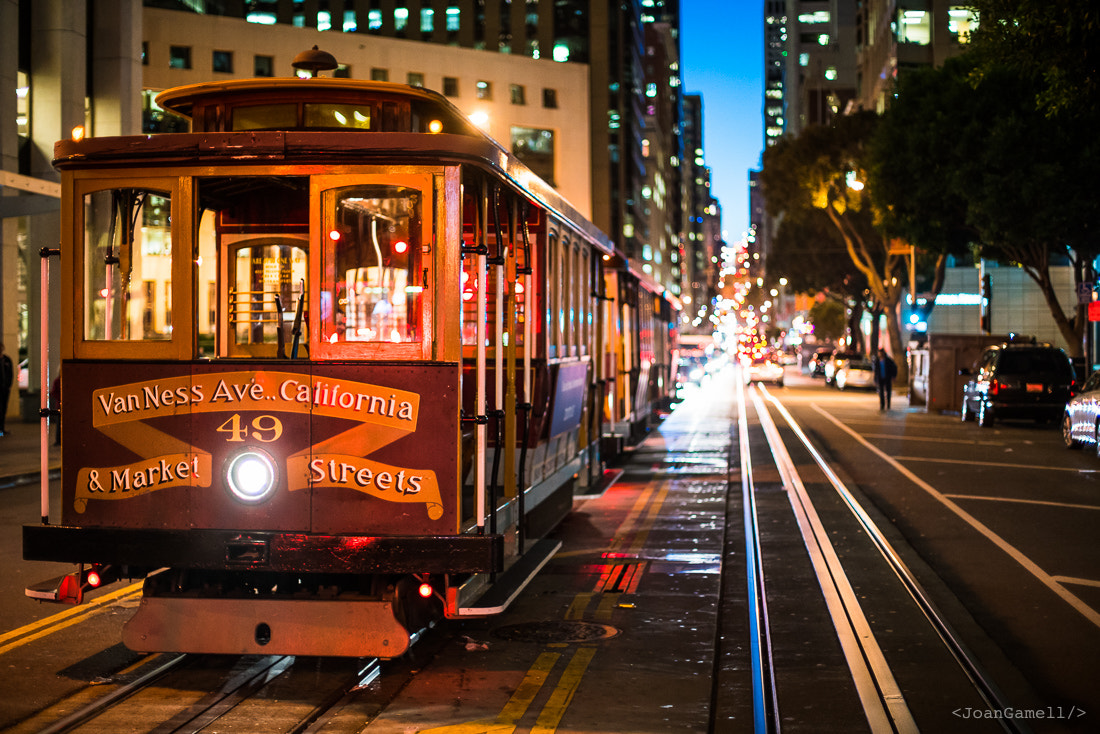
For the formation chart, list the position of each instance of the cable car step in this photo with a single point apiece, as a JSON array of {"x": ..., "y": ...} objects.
[
  {"x": 510, "y": 583},
  {"x": 64, "y": 588}
]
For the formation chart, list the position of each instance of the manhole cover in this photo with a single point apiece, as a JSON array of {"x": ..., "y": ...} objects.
[{"x": 546, "y": 632}]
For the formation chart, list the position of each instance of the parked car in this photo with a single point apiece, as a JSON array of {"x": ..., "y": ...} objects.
[
  {"x": 690, "y": 369},
  {"x": 1081, "y": 416},
  {"x": 836, "y": 361},
  {"x": 764, "y": 369},
  {"x": 855, "y": 373},
  {"x": 1018, "y": 380},
  {"x": 818, "y": 360}
]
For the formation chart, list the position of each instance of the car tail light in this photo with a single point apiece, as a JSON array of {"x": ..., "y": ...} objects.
[{"x": 994, "y": 387}]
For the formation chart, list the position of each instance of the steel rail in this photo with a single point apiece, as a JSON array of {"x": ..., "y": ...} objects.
[
  {"x": 765, "y": 701},
  {"x": 883, "y": 703},
  {"x": 981, "y": 680},
  {"x": 97, "y": 707}
]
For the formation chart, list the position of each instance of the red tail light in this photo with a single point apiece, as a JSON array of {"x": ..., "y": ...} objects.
[{"x": 994, "y": 387}]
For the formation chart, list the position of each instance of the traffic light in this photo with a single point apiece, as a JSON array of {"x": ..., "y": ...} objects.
[{"x": 987, "y": 301}]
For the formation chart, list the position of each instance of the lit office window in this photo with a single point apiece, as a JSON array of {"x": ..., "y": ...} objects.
[
  {"x": 22, "y": 104},
  {"x": 914, "y": 26},
  {"x": 961, "y": 22},
  {"x": 484, "y": 90}
]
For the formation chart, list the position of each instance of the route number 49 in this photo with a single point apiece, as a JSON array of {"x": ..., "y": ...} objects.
[{"x": 266, "y": 428}]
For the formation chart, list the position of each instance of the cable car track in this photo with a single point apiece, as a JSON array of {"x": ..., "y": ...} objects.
[
  {"x": 882, "y": 699},
  {"x": 232, "y": 692}
]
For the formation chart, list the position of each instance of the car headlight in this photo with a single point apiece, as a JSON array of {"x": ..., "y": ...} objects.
[{"x": 251, "y": 476}]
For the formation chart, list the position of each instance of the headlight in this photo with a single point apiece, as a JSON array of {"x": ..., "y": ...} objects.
[{"x": 250, "y": 475}]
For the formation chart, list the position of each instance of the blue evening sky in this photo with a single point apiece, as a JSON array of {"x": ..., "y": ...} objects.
[{"x": 722, "y": 58}]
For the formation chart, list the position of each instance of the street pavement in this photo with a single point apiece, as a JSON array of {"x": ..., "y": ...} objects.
[{"x": 20, "y": 455}]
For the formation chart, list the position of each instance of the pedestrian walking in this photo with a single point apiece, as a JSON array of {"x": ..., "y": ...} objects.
[
  {"x": 7, "y": 376},
  {"x": 885, "y": 372}
]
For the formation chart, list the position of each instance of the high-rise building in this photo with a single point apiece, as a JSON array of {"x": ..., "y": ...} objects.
[
  {"x": 775, "y": 70},
  {"x": 820, "y": 61},
  {"x": 702, "y": 230},
  {"x": 892, "y": 36}
]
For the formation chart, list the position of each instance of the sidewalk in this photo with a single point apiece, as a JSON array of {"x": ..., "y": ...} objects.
[{"x": 20, "y": 461}]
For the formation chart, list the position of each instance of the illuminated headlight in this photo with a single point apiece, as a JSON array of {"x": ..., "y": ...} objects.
[{"x": 250, "y": 475}]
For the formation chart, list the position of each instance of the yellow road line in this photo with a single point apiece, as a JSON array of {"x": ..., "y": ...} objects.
[
  {"x": 642, "y": 534},
  {"x": 61, "y": 620},
  {"x": 626, "y": 527},
  {"x": 517, "y": 705},
  {"x": 554, "y": 710}
]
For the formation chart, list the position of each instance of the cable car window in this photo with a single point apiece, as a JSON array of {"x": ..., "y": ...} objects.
[
  {"x": 265, "y": 117},
  {"x": 338, "y": 116},
  {"x": 266, "y": 304},
  {"x": 372, "y": 283},
  {"x": 253, "y": 243},
  {"x": 127, "y": 261}
]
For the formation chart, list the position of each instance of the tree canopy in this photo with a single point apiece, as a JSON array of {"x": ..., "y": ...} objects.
[
  {"x": 1053, "y": 44},
  {"x": 823, "y": 170}
]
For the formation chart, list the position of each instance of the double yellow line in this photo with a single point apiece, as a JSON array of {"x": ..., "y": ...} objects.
[
  {"x": 57, "y": 622},
  {"x": 616, "y": 580}
]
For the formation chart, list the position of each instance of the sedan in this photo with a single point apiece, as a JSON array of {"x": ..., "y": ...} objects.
[
  {"x": 818, "y": 360},
  {"x": 836, "y": 362},
  {"x": 855, "y": 373},
  {"x": 1081, "y": 418},
  {"x": 763, "y": 369}
]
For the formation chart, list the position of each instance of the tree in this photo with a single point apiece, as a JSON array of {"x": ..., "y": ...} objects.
[
  {"x": 825, "y": 168},
  {"x": 1024, "y": 176},
  {"x": 913, "y": 165},
  {"x": 827, "y": 316},
  {"x": 1051, "y": 43}
]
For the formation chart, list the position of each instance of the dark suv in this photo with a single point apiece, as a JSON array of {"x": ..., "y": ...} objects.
[{"x": 1018, "y": 380}]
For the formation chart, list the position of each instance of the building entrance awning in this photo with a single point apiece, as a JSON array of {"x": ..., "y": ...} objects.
[{"x": 35, "y": 195}]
